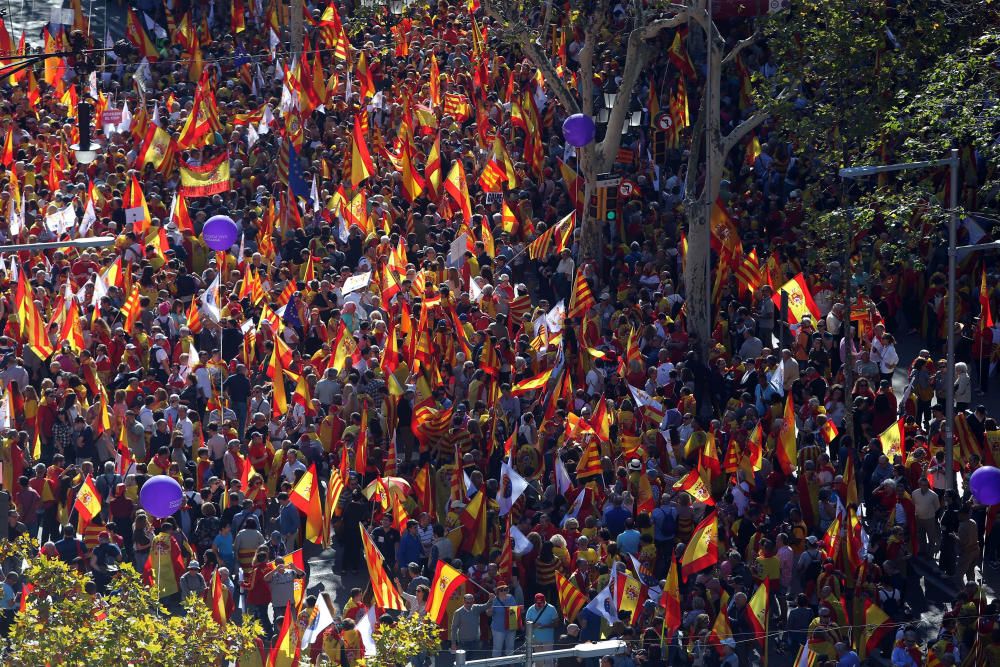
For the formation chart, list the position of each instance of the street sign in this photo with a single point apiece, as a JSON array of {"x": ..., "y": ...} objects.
[
  {"x": 625, "y": 189},
  {"x": 111, "y": 117},
  {"x": 608, "y": 182},
  {"x": 664, "y": 121}
]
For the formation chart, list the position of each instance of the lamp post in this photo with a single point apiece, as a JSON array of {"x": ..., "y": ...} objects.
[
  {"x": 79, "y": 244},
  {"x": 580, "y": 651},
  {"x": 952, "y": 163}
]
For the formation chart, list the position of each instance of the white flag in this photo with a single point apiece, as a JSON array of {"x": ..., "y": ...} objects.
[
  {"x": 366, "y": 628},
  {"x": 314, "y": 195},
  {"x": 210, "y": 300},
  {"x": 100, "y": 289},
  {"x": 517, "y": 486},
  {"x": 265, "y": 122},
  {"x": 603, "y": 605},
  {"x": 522, "y": 545},
  {"x": 563, "y": 482},
  {"x": 252, "y": 137},
  {"x": 320, "y": 622},
  {"x": 574, "y": 511},
  {"x": 61, "y": 221},
  {"x": 14, "y": 217}
]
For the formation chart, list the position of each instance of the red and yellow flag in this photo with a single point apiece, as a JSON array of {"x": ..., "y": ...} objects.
[
  {"x": 786, "y": 447},
  {"x": 702, "y": 549},
  {"x": 446, "y": 581},
  {"x": 458, "y": 188},
  {"x": 571, "y": 600},
  {"x": 386, "y": 595},
  {"x": 671, "y": 603},
  {"x": 757, "y": 612},
  {"x": 87, "y": 503},
  {"x": 800, "y": 300},
  {"x": 362, "y": 166},
  {"x": 893, "y": 441},
  {"x": 473, "y": 520},
  {"x": 206, "y": 179},
  {"x": 285, "y": 651},
  {"x": 305, "y": 497}
]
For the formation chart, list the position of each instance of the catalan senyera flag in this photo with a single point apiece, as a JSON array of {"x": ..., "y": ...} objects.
[
  {"x": 571, "y": 600},
  {"x": 205, "y": 180},
  {"x": 334, "y": 490},
  {"x": 582, "y": 298},
  {"x": 362, "y": 166},
  {"x": 757, "y": 612},
  {"x": 800, "y": 300},
  {"x": 447, "y": 581},
  {"x": 535, "y": 383},
  {"x": 361, "y": 444},
  {"x": 671, "y": 603},
  {"x": 590, "y": 462},
  {"x": 787, "y": 449},
  {"x": 702, "y": 550},
  {"x": 457, "y": 187},
  {"x": 87, "y": 503},
  {"x": 305, "y": 497},
  {"x": 893, "y": 441},
  {"x": 678, "y": 54},
  {"x": 130, "y": 309},
  {"x": 805, "y": 657},
  {"x": 386, "y": 595}
]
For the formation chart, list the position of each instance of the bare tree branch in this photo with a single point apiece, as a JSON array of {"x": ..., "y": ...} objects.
[
  {"x": 753, "y": 122},
  {"x": 740, "y": 46}
]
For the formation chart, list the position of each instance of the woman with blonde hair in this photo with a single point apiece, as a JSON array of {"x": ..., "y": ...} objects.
[{"x": 963, "y": 386}]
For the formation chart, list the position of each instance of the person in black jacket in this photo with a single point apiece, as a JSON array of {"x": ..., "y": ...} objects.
[{"x": 355, "y": 513}]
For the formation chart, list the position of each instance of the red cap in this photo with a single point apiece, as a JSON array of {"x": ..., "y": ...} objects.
[{"x": 539, "y": 597}]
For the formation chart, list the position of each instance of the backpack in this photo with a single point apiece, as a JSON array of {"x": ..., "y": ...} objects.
[
  {"x": 666, "y": 520},
  {"x": 812, "y": 570}
]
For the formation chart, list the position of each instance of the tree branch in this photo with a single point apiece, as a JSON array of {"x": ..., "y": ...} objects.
[
  {"x": 740, "y": 46},
  {"x": 753, "y": 122}
]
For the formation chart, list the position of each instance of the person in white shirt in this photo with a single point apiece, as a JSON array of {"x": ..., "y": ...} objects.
[
  {"x": 888, "y": 359},
  {"x": 663, "y": 368},
  {"x": 292, "y": 465}
]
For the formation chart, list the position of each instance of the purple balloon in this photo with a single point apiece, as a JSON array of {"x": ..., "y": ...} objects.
[
  {"x": 219, "y": 232},
  {"x": 161, "y": 496},
  {"x": 579, "y": 129},
  {"x": 985, "y": 485}
]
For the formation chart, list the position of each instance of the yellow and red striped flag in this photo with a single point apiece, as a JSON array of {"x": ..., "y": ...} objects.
[
  {"x": 305, "y": 497},
  {"x": 362, "y": 166},
  {"x": 87, "y": 503},
  {"x": 893, "y": 441},
  {"x": 571, "y": 599},
  {"x": 446, "y": 581},
  {"x": 702, "y": 549},
  {"x": 787, "y": 450}
]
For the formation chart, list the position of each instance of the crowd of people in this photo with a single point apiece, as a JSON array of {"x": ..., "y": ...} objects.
[{"x": 408, "y": 321}]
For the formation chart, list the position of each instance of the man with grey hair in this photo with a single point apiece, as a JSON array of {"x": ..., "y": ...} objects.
[{"x": 465, "y": 626}]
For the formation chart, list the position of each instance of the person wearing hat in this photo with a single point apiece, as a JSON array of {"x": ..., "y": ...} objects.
[
  {"x": 104, "y": 560},
  {"x": 545, "y": 618},
  {"x": 192, "y": 581},
  {"x": 503, "y": 624}
]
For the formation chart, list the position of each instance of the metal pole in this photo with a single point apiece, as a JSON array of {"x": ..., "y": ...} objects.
[
  {"x": 89, "y": 242},
  {"x": 295, "y": 25},
  {"x": 949, "y": 421},
  {"x": 460, "y": 658},
  {"x": 529, "y": 636}
]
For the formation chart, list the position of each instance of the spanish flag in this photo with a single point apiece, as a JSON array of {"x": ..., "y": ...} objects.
[
  {"x": 535, "y": 383},
  {"x": 473, "y": 520},
  {"x": 87, "y": 503},
  {"x": 757, "y": 612},
  {"x": 876, "y": 624},
  {"x": 305, "y": 497},
  {"x": 447, "y": 581},
  {"x": 205, "y": 180},
  {"x": 157, "y": 150},
  {"x": 285, "y": 651},
  {"x": 386, "y": 595},
  {"x": 800, "y": 300},
  {"x": 136, "y": 33},
  {"x": 362, "y": 166},
  {"x": 671, "y": 603},
  {"x": 786, "y": 448},
  {"x": 702, "y": 549},
  {"x": 279, "y": 400},
  {"x": 457, "y": 187},
  {"x": 893, "y": 441},
  {"x": 219, "y": 612},
  {"x": 985, "y": 316},
  {"x": 694, "y": 485}
]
